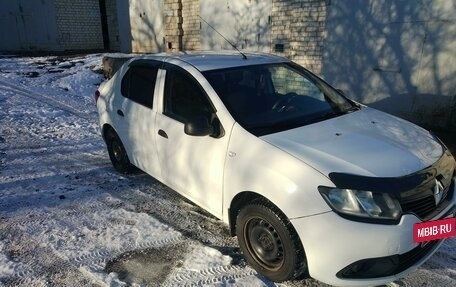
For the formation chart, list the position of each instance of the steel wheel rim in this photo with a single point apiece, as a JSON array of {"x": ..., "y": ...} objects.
[
  {"x": 117, "y": 151},
  {"x": 264, "y": 243}
]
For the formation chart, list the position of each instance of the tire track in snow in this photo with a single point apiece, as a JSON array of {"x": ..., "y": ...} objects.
[
  {"x": 9, "y": 205},
  {"x": 82, "y": 145},
  {"x": 38, "y": 222},
  {"x": 23, "y": 91},
  {"x": 209, "y": 276},
  {"x": 174, "y": 210},
  {"x": 40, "y": 262},
  {"x": 21, "y": 281},
  {"x": 33, "y": 219}
]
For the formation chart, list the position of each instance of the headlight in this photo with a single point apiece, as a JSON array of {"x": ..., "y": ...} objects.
[{"x": 362, "y": 204}]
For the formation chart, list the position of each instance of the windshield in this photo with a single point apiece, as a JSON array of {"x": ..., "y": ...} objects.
[{"x": 270, "y": 98}]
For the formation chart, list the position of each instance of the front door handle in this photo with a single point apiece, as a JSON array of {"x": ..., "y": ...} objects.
[
  {"x": 162, "y": 133},
  {"x": 120, "y": 113}
]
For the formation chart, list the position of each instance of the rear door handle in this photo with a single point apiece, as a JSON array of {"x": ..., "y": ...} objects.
[
  {"x": 162, "y": 133},
  {"x": 120, "y": 113}
]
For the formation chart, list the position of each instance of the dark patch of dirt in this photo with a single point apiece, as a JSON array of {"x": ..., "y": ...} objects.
[
  {"x": 148, "y": 267},
  {"x": 53, "y": 71},
  {"x": 33, "y": 74}
]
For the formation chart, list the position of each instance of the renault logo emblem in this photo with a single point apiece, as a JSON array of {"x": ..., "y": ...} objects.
[{"x": 438, "y": 192}]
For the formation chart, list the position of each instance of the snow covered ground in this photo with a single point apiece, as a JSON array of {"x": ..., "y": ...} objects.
[{"x": 68, "y": 219}]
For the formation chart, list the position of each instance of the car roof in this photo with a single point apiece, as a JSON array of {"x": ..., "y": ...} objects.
[{"x": 205, "y": 61}]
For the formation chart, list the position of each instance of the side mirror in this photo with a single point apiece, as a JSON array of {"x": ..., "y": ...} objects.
[{"x": 199, "y": 127}]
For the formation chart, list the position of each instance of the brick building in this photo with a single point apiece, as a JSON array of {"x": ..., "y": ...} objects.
[
  {"x": 290, "y": 28},
  {"x": 293, "y": 28},
  {"x": 397, "y": 56}
]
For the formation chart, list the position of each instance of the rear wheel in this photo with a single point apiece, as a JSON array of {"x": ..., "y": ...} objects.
[
  {"x": 117, "y": 153},
  {"x": 269, "y": 242}
]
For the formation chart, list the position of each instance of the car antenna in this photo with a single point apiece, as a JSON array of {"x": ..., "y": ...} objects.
[{"x": 232, "y": 45}]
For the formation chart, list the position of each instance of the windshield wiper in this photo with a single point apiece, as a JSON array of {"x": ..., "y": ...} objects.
[
  {"x": 268, "y": 125},
  {"x": 329, "y": 115}
]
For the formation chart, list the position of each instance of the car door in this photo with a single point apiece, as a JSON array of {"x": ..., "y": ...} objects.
[
  {"x": 192, "y": 165},
  {"x": 136, "y": 116}
]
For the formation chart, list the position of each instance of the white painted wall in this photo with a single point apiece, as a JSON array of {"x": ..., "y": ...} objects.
[
  {"x": 397, "y": 56},
  {"x": 141, "y": 25},
  {"x": 243, "y": 22}
]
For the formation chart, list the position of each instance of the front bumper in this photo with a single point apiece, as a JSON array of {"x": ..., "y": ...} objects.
[{"x": 333, "y": 244}]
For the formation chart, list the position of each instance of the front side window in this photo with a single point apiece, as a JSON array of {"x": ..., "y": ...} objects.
[
  {"x": 184, "y": 98},
  {"x": 138, "y": 84},
  {"x": 270, "y": 98}
]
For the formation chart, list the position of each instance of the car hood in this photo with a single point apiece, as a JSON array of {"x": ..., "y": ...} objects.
[{"x": 366, "y": 142}]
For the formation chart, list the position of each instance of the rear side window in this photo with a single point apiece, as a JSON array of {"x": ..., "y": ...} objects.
[{"x": 138, "y": 84}]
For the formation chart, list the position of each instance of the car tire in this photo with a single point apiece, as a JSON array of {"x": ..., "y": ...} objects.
[
  {"x": 117, "y": 153},
  {"x": 269, "y": 242}
]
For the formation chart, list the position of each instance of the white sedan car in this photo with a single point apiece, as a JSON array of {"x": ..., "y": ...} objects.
[{"x": 311, "y": 182}]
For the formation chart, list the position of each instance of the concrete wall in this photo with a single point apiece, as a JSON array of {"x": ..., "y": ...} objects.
[
  {"x": 27, "y": 25},
  {"x": 245, "y": 23},
  {"x": 397, "y": 56},
  {"x": 113, "y": 25},
  {"x": 124, "y": 25},
  {"x": 147, "y": 29}
]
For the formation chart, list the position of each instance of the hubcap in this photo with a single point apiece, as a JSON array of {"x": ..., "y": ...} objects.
[{"x": 264, "y": 243}]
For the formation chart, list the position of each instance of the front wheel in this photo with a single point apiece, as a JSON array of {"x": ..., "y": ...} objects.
[{"x": 269, "y": 243}]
